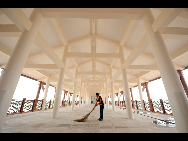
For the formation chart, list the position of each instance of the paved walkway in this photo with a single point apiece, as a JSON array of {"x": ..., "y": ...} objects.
[{"x": 114, "y": 122}]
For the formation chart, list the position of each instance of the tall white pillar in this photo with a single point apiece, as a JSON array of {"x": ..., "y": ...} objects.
[
  {"x": 126, "y": 88},
  {"x": 127, "y": 94},
  {"x": 173, "y": 86},
  {"x": 68, "y": 96},
  {"x": 107, "y": 102},
  {"x": 59, "y": 88},
  {"x": 55, "y": 111},
  {"x": 45, "y": 93},
  {"x": 80, "y": 93},
  {"x": 73, "y": 97},
  {"x": 15, "y": 64},
  {"x": 112, "y": 96},
  {"x": 140, "y": 92},
  {"x": 119, "y": 96}
]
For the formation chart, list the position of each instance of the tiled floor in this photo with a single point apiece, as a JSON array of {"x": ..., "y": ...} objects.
[{"x": 114, "y": 122}]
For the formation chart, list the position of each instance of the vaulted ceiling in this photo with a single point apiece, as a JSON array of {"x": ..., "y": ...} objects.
[{"x": 98, "y": 31}]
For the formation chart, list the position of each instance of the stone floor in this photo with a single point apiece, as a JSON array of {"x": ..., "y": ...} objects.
[{"x": 114, "y": 122}]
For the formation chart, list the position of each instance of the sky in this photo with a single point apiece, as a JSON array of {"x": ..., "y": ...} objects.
[{"x": 27, "y": 88}]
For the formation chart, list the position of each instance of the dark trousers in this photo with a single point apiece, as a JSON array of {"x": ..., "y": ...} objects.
[{"x": 101, "y": 111}]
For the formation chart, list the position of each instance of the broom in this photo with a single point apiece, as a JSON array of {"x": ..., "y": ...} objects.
[{"x": 85, "y": 117}]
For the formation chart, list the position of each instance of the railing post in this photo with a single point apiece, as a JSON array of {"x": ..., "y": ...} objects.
[
  {"x": 49, "y": 104},
  {"x": 162, "y": 105},
  {"x": 151, "y": 105},
  {"x": 42, "y": 104},
  {"x": 144, "y": 105},
  {"x": 22, "y": 106},
  {"x": 33, "y": 107},
  {"x": 136, "y": 104}
]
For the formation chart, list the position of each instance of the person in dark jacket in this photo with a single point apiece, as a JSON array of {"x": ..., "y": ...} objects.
[{"x": 99, "y": 101}]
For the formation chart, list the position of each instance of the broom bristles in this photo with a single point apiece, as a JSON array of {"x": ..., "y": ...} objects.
[{"x": 85, "y": 117}]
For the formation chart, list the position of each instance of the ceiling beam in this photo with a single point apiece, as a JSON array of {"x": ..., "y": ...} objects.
[
  {"x": 128, "y": 30},
  {"x": 58, "y": 28},
  {"x": 143, "y": 67},
  {"x": 93, "y": 13},
  {"x": 107, "y": 40},
  {"x": 8, "y": 52},
  {"x": 93, "y": 73},
  {"x": 41, "y": 66},
  {"x": 94, "y": 81},
  {"x": 140, "y": 47},
  {"x": 70, "y": 75},
  {"x": 183, "y": 50},
  {"x": 178, "y": 53},
  {"x": 9, "y": 30},
  {"x": 92, "y": 55},
  {"x": 144, "y": 53},
  {"x": 18, "y": 17},
  {"x": 47, "y": 49},
  {"x": 177, "y": 33},
  {"x": 40, "y": 53},
  {"x": 165, "y": 18}
]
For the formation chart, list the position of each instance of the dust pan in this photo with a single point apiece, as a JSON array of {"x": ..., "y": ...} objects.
[{"x": 85, "y": 117}]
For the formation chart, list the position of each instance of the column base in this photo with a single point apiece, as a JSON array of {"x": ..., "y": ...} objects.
[
  {"x": 5, "y": 100},
  {"x": 56, "y": 108}
]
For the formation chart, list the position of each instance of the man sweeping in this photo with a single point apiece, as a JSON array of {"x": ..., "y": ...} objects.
[{"x": 99, "y": 101}]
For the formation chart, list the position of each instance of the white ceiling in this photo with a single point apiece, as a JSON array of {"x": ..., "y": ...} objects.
[{"x": 112, "y": 30}]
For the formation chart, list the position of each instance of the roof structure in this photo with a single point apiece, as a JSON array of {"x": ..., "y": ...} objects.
[{"x": 93, "y": 37}]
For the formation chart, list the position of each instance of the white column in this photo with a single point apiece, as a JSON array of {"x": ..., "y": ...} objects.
[
  {"x": 103, "y": 94},
  {"x": 55, "y": 111},
  {"x": 112, "y": 96},
  {"x": 173, "y": 86},
  {"x": 107, "y": 103},
  {"x": 127, "y": 94},
  {"x": 59, "y": 88},
  {"x": 126, "y": 88},
  {"x": 15, "y": 64},
  {"x": 80, "y": 93},
  {"x": 119, "y": 96},
  {"x": 45, "y": 93},
  {"x": 140, "y": 92},
  {"x": 68, "y": 95},
  {"x": 73, "y": 97}
]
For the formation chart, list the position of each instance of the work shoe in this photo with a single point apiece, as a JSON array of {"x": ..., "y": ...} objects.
[{"x": 100, "y": 119}]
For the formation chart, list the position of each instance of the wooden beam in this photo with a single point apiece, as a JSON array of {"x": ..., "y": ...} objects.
[
  {"x": 175, "y": 30},
  {"x": 70, "y": 75},
  {"x": 178, "y": 33},
  {"x": 93, "y": 26},
  {"x": 80, "y": 39},
  {"x": 140, "y": 47},
  {"x": 59, "y": 30},
  {"x": 143, "y": 67},
  {"x": 107, "y": 40},
  {"x": 165, "y": 18},
  {"x": 93, "y": 13},
  {"x": 178, "y": 53},
  {"x": 128, "y": 30},
  {"x": 47, "y": 49},
  {"x": 18, "y": 17},
  {"x": 92, "y": 55},
  {"x": 41, "y": 66},
  {"x": 93, "y": 73},
  {"x": 8, "y": 52},
  {"x": 94, "y": 81},
  {"x": 40, "y": 53},
  {"x": 9, "y": 30},
  {"x": 144, "y": 54}
]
